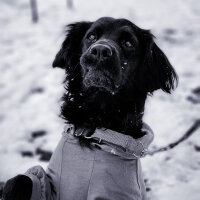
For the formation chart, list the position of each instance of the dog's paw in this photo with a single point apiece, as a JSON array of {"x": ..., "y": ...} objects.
[{"x": 18, "y": 188}]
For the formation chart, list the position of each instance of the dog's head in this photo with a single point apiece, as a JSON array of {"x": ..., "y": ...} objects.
[{"x": 112, "y": 54}]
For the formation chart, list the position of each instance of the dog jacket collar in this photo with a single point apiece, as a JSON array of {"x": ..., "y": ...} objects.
[{"x": 115, "y": 142}]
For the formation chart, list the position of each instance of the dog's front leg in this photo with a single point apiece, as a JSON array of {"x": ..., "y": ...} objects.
[
  {"x": 18, "y": 188},
  {"x": 34, "y": 185}
]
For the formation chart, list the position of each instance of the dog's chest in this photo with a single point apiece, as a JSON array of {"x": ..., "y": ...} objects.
[{"x": 82, "y": 173}]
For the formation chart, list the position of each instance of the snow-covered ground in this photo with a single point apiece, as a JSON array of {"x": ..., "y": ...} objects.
[{"x": 30, "y": 89}]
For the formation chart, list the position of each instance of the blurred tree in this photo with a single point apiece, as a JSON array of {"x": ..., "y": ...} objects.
[
  {"x": 70, "y": 4},
  {"x": 1, "y": 188},
  {"x": 34, "y": 11}
]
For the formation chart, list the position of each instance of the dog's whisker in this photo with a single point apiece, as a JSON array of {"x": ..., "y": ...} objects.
[
  {"x": 76, "y": 66},
  {"x": 75, "y": 75}
]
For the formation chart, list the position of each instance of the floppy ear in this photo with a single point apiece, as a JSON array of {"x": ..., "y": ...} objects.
[
  {"x": 155, "y": 72},
  {"x": 71, "y": 47}
]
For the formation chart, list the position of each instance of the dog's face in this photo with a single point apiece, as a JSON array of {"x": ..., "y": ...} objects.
[
  {"x": 110, "y": 50},
  {"x": 112, "y": 54},
  {"x": 111, "y": 65}
]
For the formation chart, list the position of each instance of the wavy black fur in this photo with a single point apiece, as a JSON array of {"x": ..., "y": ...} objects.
[{"x": 123, "y": 111}]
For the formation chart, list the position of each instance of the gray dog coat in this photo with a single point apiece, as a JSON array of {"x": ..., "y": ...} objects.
[{"x": 107, "y": 171}]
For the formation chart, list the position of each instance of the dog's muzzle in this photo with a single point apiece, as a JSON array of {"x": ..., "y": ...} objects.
[{"x": 101, "y": 66}]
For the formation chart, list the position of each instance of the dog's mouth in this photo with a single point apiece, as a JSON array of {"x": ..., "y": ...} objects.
[
  {"x": 101, "y": 69},
  {"x": 100, "y": 79}
]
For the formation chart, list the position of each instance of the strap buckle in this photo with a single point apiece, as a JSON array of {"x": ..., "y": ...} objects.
[
  {"x": 97, "y": 140},
  {"x": 81, "y": 133},
  {"x": 144, "y": 152},
  {"x": 78, "y": 134}
]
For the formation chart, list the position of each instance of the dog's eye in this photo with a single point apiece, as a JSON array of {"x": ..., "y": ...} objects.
[
  {"x": 92, "y": 37},
  {"x": 127, "y": 43}
]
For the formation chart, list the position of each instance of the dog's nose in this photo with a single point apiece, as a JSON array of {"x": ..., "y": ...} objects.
[{"x": 101, "y": 51}]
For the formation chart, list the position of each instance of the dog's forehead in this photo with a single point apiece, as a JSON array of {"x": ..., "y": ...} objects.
[{"x": 109, "y": 23}]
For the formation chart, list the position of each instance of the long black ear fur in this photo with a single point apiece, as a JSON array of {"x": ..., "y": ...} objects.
[
  {"x": 71, "y": 47},
  {"x": 155, "y": 71}
]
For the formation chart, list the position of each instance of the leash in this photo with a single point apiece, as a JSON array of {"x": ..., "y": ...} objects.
[
  {"x": 135, "y": 147},
  {"x": 187, "y": 134}
]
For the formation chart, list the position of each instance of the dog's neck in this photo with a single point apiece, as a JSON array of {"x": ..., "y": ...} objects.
[{"x": 121, "y": 112}]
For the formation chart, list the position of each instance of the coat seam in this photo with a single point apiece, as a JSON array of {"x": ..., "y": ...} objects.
[
  {"x": 91, "y": 175},
  {"x": 137, "y": 174},
  {"x": 61, "y": 166}
]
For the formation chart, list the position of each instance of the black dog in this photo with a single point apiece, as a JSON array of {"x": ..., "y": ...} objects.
[{"x": 111, "y": 66}]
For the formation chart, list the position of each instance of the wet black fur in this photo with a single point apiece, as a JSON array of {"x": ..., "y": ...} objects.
[
  {"x": 18, "y": 188},
  {"x": 97, "y": 108}
]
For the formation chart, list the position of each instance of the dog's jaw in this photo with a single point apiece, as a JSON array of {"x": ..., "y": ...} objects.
[{"x": 100, "y": 78}]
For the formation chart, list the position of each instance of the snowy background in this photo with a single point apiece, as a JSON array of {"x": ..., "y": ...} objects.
[{"x": 30, "y": 89}]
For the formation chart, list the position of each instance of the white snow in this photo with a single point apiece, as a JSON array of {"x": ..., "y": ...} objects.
[{"x": 27, "y": 51}]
